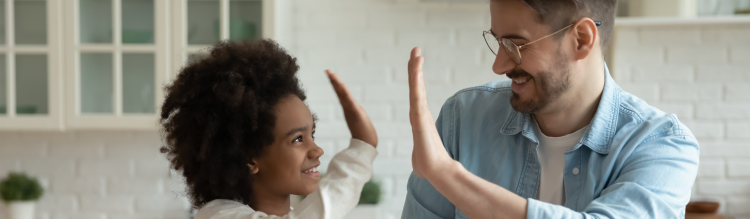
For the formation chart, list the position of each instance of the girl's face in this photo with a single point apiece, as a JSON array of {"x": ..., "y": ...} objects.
[{"x": 289, "y": 165}]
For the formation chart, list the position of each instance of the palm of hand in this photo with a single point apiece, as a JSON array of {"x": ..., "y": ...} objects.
[
  {"x": 429, "y": 156},
  {"x": 356, "y": 117}
]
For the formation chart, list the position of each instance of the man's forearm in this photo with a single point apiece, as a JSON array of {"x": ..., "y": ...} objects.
[{"x": 476, "y": 197}]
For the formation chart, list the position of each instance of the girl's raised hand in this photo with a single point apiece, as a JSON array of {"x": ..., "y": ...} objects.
[{"x": 356, "y": 118}]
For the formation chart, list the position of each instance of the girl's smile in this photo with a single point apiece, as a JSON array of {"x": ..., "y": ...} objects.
[{"x": 312, "y": 172}]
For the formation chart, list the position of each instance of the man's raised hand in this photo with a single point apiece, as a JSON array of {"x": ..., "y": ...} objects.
[{"x": 429, "y": 156}]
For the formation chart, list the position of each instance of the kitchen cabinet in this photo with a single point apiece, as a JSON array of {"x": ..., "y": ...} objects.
[
  {"x": 201, "y": 23},
  {"x": 117, "y": 56},
  {"x": 103, "y": 64},
  {"x": 30, "y": 65}
]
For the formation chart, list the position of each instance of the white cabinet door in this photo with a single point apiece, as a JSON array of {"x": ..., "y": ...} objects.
[
  {"x": 198, "y": 24},
  {"x": 117, "y": 52},
  {"x": 103, "y": 64},
  {"x": 30, "y": 66}
]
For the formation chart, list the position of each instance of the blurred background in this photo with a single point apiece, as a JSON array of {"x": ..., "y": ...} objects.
[{"x": 81, "y": 82}]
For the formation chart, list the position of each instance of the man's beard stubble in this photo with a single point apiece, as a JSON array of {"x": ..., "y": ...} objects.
[{"x": 549, "y": 86}]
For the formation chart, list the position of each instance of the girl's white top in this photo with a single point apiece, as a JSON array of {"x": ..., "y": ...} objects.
[{"x": 338, "y": 190}]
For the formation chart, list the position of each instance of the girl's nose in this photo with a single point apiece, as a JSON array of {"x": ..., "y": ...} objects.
[{"x": 316, "y": 152}]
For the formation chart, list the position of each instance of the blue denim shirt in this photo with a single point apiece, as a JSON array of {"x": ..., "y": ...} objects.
[{"x": 634, "y": 161}]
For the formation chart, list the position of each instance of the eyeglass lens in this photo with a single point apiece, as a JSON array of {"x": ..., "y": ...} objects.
[
  {"x": 491, "y": 42},
  {"x": 512, "y": 50}
]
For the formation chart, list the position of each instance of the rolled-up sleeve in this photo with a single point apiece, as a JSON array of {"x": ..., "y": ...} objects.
[{"x": 655, "y": 181}]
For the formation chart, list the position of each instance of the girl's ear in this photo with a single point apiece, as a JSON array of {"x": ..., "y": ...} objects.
[{"x": 253, "y": 167}]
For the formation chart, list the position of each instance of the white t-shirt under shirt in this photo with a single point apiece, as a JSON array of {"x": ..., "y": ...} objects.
[
  {"x": 338, "y": 190},
  {"x": 551, "y": 154}
]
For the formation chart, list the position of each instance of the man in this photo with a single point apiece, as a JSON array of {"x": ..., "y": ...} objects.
[{"x": 560, "y": 140}]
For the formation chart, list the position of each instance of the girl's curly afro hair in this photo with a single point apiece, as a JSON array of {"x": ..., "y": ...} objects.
[{"x": 219, "y": 114}]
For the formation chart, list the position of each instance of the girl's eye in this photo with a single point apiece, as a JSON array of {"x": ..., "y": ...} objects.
[
  {"x": 313, "y": 135},
  {"x": 298, "y": 139}
]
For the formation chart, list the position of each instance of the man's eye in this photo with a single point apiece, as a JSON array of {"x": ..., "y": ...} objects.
[{"x": 298, "y": 139}]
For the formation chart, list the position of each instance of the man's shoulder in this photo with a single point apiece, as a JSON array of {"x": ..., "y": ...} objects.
[
  {"x": 490, "y": 99},
  {"x": 492, "y": 91},
  {"x": 648, "y": 121},
  {"x": 499, "y": 86}
]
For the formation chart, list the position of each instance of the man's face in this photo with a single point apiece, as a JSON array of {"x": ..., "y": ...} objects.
[{"x": 543, "y": 76}]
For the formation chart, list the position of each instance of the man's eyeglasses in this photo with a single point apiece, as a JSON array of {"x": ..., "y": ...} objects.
[{"x": 513, "y": 50}]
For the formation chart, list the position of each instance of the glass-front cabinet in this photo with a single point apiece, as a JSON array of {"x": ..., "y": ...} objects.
[
  {"x": 117, "y": 51},
  {"x": 30, "y": 67},
  {"x": 103, "y": 64},
  {"x": 205, "y": 22}
]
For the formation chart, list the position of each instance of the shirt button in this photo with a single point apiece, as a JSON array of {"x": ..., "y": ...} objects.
[{"x": 575, "y": 171}]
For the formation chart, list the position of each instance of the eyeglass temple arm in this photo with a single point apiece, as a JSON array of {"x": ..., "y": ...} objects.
[
  {"x": 597, "y": 23},
  {"x": 521, "y": 46}
]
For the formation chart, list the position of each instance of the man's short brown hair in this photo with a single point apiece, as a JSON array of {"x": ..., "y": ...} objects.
[{"x": 560, "y": 13}]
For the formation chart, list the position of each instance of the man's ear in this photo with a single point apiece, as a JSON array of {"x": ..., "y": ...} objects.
[
  {"x": 253, "y": 165},
  {"x": 586, "y": 35}
]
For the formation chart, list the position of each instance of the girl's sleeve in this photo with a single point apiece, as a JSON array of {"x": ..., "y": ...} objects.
[{"x": 339, "y": 189}]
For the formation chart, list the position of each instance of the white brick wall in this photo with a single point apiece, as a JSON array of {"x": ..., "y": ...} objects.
[
  {"x": 100, "y": 175},
  {"x": 701, "y": 73},
  {"x": 371, "y": 56}
]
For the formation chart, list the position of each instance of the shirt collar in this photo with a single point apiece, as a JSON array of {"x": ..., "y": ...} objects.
[{"x": 601, "y": 131}]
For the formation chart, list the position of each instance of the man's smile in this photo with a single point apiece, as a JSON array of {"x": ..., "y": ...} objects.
[{"x": 519, "y": 84}]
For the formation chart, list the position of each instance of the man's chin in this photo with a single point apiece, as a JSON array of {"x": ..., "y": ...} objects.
[{"x": 523, "y": 105}]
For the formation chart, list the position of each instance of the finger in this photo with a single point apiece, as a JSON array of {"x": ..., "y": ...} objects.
[
  {"x": 419, "y": 112},
  {"x": 345, "y": 98},
  {"x": 417, "y": 96}
]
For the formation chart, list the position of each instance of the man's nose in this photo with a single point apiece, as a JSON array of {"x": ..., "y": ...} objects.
[{"x": 503, "y": 64}]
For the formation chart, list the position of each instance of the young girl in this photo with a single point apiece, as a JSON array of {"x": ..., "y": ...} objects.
[{"x": 236, "y": 125}]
